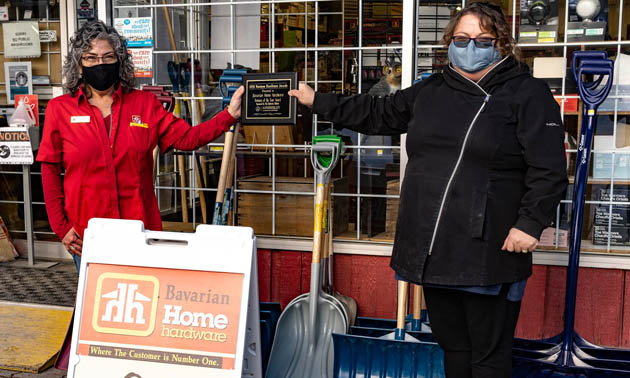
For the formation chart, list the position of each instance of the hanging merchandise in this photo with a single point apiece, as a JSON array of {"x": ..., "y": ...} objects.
[
  {"x": 588, "y": 20},
  {"x": 21, "y": 39},
  {"x": 539, "y": 21}
]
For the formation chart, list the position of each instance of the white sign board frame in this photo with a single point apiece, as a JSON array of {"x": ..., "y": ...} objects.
[{"x": 124, "y": 244}]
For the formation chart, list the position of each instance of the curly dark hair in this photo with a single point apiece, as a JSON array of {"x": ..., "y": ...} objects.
[
  {"x": 81, "y": 42},
  {"x": 492, "y": 20}
]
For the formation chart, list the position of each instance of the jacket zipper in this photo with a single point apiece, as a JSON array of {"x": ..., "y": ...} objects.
[{"x": 461, "y": 155}]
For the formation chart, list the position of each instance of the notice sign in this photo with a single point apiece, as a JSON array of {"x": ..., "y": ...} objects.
[
  {"x": 161, "y": 316},
  {"x": 15, "y": 146},
  {"x": 142, "y": 61},
  {"x": 137, "y": 30},
  {"x": 21, "y": 39}
]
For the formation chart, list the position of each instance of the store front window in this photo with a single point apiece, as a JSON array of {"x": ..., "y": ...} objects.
[
  {"x": 335, "y": 46},
  {"x": 38, "y": 62}
]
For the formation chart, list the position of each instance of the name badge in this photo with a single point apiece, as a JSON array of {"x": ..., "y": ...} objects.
[{"x": 80, "y": 119}]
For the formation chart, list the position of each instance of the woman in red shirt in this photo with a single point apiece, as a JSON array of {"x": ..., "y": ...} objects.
[{"x": 102, "y": 133}]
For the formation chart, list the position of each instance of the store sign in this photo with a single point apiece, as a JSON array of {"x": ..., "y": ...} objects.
[
  {"x": 161, "y": 316},
  {"x": 47, "y": 36},
  {"x": 15, "y": 146},
  {"x": 142, "y": 61},
  {"x": 21, "y": 39},
  {"x": 18, "y": 78},
  {"x": 4, "y": 13},
  {"x": 172, "y": 308},
  {"x": 137, "y": 30}
]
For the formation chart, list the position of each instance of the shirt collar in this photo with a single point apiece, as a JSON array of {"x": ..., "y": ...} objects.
[{"x": 82, "y": 95}]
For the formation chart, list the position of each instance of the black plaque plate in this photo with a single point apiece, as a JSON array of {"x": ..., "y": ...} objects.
[{"x": 267, "y": 101}]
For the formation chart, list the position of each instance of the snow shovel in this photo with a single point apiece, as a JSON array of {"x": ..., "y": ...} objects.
[
  {"x": 229, "y": 147},
  {"x": 394, "y": 355},
  {"x": 349, "y": 304},
  {"x": 303, "y": 345},
  {"x": 568, "y": 354},
  {"x": 416, "y": 327},
  {"x": 318, "y": 166},
  {"x": 374, "y": 326}
]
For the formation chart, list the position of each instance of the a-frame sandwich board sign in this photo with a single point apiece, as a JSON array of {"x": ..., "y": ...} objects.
[{"x": 166, "y": 304}]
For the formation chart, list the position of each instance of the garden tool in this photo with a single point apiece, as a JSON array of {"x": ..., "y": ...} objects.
[
  {"x": 568, "y": 354},
  {"x": 306, "y": 325}
]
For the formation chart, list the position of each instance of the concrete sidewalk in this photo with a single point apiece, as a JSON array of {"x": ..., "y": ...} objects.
[
  {"x": 50, "y": 373},
  {"x": 53, "y": 286}
]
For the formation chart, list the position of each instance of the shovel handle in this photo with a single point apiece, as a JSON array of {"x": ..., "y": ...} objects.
[
  {"x": 401, "y": 313},
  {"x": 225, "y": 162},
  {"x": 317, "y": 222},
  {"x": 417, "y": 302}
]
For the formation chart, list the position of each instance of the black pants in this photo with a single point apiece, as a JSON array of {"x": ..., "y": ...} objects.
[{"x": 474, "y": 330}]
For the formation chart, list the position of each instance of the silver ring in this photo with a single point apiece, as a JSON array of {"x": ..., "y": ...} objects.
[{"x": 71, "y": 246}]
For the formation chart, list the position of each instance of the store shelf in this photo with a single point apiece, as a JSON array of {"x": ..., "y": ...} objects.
[
  {"x": 593, "y": 181},
  {"x": 588, "y": 246}
]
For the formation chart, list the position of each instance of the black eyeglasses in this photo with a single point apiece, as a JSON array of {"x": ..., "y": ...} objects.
[{"x": 480, "y": 42}]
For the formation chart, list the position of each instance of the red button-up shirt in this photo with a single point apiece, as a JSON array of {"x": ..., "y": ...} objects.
[{"x": 111, "y": 176}]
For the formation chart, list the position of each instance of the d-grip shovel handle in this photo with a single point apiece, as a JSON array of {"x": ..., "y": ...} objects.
[
  {"x": 592, "y": 96},
  {"x": 230, "y": 76},
  {"x": 590, "y": 55},
  {"x": 401, "y": 312}
]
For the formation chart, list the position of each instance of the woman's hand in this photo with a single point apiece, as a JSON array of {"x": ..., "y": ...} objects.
[
  {"x": 518, "y": 241},
  {"x": 73, "y": 242},
  {"x": 235, "y": 103},
  {"x": 305, "y": 95}
]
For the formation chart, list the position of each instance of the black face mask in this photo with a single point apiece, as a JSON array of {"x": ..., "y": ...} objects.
[{"x": 102, "y": 76}]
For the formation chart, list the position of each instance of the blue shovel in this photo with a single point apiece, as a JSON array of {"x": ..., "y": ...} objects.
[
  {"x": 396, "y": 355},
  {"x": 224, "y": 189},
  {"x": 568, "y": 354}
]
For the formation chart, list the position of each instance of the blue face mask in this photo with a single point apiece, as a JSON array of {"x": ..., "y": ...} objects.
[{"x": 471, "y": 58}]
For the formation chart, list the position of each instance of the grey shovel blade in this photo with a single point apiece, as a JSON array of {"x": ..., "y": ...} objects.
[
  {"x": 300, "y": 350},
  {"x": 332, "y": 299}
]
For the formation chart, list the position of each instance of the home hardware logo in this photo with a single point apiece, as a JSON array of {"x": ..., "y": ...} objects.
[{"x": 125, "y": 304}]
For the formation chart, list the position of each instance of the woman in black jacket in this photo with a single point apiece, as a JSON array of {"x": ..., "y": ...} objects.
[{"x": 486, "y": 172}]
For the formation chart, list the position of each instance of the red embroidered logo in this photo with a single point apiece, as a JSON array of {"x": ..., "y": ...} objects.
[{"x": 136, "y": 119}]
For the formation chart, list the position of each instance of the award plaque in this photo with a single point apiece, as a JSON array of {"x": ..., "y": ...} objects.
[{"x": 266, "y": 100}]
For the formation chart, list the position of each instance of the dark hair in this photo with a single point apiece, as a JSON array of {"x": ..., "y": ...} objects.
[
  {"x": 492, "y": 20},
  {"x": 81, "y": 42}
]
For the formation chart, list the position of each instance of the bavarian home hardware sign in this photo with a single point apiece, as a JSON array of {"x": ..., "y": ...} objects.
[
  {"x": 165, "y": 304},
  {"x": 267, "y": 100}
]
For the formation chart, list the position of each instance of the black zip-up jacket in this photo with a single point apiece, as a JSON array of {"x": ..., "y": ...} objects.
[{"x": 483, "y": 158}]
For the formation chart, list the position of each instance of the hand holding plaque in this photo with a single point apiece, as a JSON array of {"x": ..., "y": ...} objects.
[{"x": 267, "y": 100}]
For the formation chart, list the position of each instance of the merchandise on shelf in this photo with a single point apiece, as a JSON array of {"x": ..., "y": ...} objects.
[
  {"x": 588, "y": 20},
  {"x": 539, "y": 21}
]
